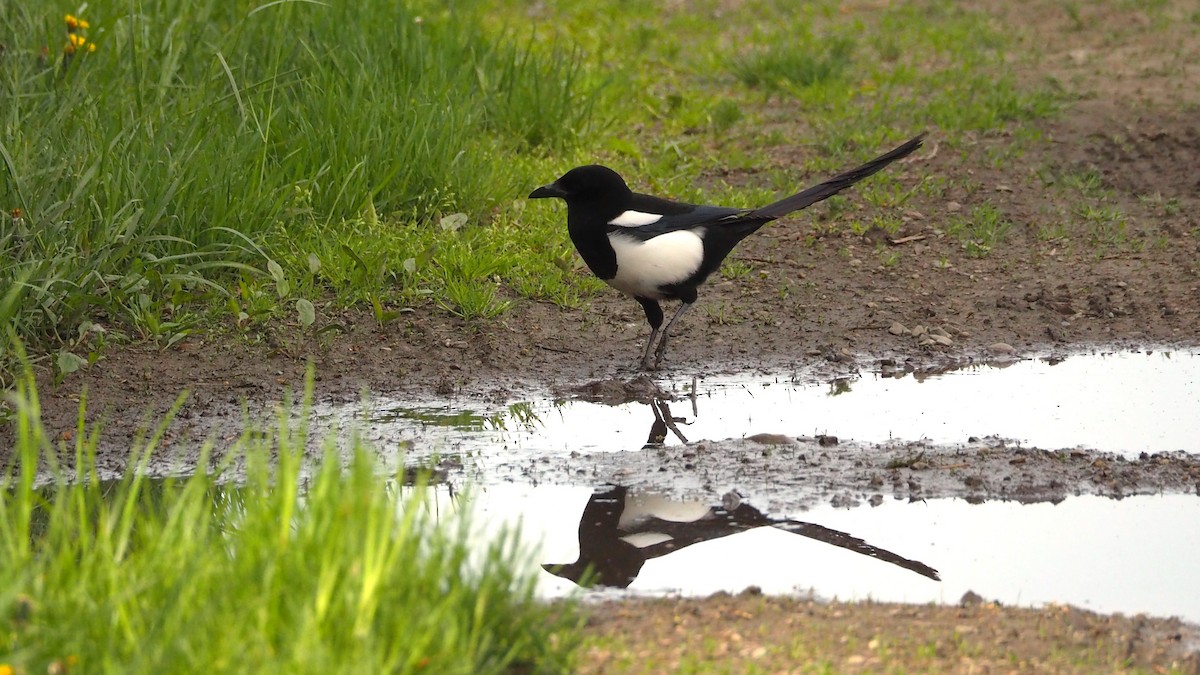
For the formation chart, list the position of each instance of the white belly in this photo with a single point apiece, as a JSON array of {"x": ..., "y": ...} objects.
[
  {"x": 644, "y": 266},
  {"x": 642, "y": 506}
]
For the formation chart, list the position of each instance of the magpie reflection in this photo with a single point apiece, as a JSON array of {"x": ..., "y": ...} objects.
[
  {"x": 663, "y": 421},
  {"x": 621, "y": 529}
]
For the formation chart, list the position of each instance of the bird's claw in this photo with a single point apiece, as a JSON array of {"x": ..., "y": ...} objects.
[{"x": 660, "y": 353}]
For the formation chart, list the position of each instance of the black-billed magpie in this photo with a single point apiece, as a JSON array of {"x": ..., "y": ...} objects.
[
  {"x": 620, "y": 529},
  {"x": 656, "y": 249}
]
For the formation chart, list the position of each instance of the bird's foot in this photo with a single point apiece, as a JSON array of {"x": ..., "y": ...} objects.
[
  {"x": 660, "y": 353},
  {"x": 649, "y": 363}
]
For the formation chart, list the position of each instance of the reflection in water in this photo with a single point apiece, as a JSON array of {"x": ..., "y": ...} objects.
[
  {"x": 1126, "y": 403},
  {"x": 621, "y": 529},
  {"x": 663, "y": 421}
]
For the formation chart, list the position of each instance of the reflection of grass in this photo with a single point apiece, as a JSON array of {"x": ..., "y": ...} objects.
[
  {"x": 438, "y": 417},
  {"x": 520, "y": 414},
  {"x": 838, "y": 387},
  {"x": 906, "y": 462},
  {"x": 524, "y": 414},
  {"x": 337, "y": 572}
]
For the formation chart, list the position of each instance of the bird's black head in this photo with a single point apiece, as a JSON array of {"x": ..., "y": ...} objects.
[{"x": 586, "y": 184}]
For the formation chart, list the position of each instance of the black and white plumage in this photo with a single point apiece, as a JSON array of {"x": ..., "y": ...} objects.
[
  {"x": 655, "y": 249},
  {"x": 621, "y": 529}
]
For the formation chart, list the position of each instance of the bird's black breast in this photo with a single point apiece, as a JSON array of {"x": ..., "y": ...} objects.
[{"x": 591, "y": 240}]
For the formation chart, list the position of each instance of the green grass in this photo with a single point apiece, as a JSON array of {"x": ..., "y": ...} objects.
[
  {"x": 202, "y": 142},
  {"x": 808, "y": 62},
  {"x": 1106, "y": 226},
  {"x": 297, "y": 567},
  {"x": 218, "y": 163},
  {"x": 980, "y": 231}
]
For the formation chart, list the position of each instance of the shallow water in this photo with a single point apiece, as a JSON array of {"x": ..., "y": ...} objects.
[
  {"x": 1126, "y": 403},
  {"x": 533, "y": 462},
  {"x": 1132, "y": 555}
]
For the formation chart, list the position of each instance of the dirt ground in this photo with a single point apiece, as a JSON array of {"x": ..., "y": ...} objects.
[
  {"x": 821, "y": 295},
  {"x": 754, "y": 633}
]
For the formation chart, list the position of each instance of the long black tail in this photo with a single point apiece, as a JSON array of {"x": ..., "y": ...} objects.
[{"x": 834, "y": 185}]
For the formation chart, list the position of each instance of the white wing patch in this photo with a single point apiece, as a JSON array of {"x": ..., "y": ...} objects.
[
  {"x": 642, "y": 506},
  {"x": 644, "y": 266},
  {"x": 635, "y": 219},
  {"x": 646, "y": 539}
]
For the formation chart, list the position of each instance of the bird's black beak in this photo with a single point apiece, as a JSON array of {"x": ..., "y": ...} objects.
[{"x": 546, "y": 191}]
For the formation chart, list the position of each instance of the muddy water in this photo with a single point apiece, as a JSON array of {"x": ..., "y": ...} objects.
[{"x": 708, "y": 509}]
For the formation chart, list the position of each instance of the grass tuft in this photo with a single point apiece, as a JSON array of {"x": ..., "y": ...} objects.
[
  {"x": 981, "y": 230},
  {"x": 293, "y": 568},
  {"x": 804, "y": 63}
]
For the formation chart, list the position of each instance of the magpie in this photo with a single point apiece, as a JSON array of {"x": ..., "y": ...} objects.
[
  {"x": 655, "y": 249},
  {"x": 622, "y": 528}
]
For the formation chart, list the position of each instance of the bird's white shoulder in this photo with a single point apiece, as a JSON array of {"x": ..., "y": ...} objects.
[{"x": 635, "y": 219}]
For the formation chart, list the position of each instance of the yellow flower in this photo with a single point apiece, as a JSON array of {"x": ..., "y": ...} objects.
[
  {"x": 74, "y": 23},
  {"x": 6, "y": 669},
  {"x": 77, "y": 42}
]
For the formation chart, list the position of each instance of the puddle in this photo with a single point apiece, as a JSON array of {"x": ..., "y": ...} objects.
[
  {"x": 1130, "y": 556},
  {"x": 1136, "y": 555},
  {"x": 903, "y": 506},
  {"x": 1126, "y": 403},
  {"x": 775, "y": 511}
]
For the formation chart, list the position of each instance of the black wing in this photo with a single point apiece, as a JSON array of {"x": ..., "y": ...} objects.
[{"x": 675, "y": 216}]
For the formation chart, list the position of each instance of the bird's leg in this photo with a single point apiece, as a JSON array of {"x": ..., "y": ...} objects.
[
  {"x": 647, "y": 364},
  {"x": 654, "y": 317},
  {"x": 666, "y": 332}
]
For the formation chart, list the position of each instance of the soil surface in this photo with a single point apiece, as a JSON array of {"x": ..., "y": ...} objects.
[
  {"x": 819, "y": 294},
  {"x": 753, "y": 633}
]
